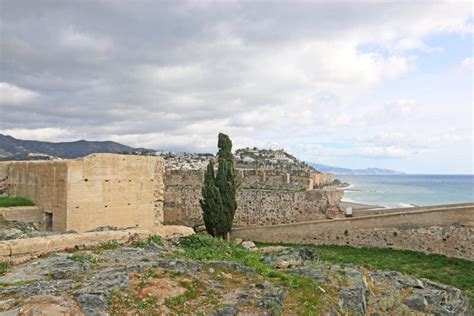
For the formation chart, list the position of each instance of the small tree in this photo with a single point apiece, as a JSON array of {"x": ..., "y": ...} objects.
[{"x": 218, "y": 201}]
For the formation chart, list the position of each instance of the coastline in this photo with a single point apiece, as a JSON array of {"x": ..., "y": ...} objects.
[
  {"x": 359, "y": 206},
  {"x": 404, "y": 191}
]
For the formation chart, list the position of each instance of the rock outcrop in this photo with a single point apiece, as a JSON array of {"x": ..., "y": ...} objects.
[
  {"x": 360, "y": 291},
  {"x": 151, "y": 278}
]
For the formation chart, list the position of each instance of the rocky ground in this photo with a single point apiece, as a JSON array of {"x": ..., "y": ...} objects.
[
  {"x": 10, "y": 230},
  {"x": 18, "y": 230},
  {"x": 151, "y": 278}
]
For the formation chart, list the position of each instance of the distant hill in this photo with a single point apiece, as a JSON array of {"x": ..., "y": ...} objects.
[
  {"x": 268, "y": 158},
  {"x": 17, "y": 149},
  {"x": 339, "y": 170}
]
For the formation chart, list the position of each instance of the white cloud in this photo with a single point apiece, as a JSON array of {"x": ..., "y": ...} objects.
[
  {"x": 405, "y": 44},
  {"x": 43, "y": 134},
  {"x": 14, "y": 95},
  {"x": 172, "y": 75}
]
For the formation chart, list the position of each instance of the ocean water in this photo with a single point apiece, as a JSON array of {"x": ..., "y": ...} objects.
[{"x": 408, "y": 190}]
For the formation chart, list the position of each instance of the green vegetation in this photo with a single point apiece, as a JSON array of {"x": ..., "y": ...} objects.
[
  {"x": 452, "y": 271},
  {"x": 218, "y": 192},
  {"x": 192, "y": 291},
  {"x": 108, "y": 246},
  {"x": 8, "y": 201},
  {"x": 152, "y": 239},
  {"x": 4, "y": 266},
  {"x": 302, "y": 291},
  {"x": 80, "y": 257},
  {"x": 141, "y": 305}
]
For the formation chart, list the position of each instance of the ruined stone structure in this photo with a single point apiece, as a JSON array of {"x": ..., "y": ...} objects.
[
  {"x": 135, "y": 191},
  {"x": 127, "y": 191},
  {"x": 264, "y": 197},
  {"x": 446, "y": 230},
  {"x": 85, "y": 193},
  {"x": 283, "y": 180}
]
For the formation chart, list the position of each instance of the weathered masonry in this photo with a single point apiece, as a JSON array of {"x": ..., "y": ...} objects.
[
  {"x": 86, "y": 193},
  {"x": 129, "y": 191},
  {"x": 264, "y": 197},
  {"x": 445, "y": 229}
]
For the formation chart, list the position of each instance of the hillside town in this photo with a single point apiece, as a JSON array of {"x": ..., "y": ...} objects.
[{"x": 245, "y": 158}]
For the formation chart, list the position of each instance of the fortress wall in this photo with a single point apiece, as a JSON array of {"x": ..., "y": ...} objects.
[
  {"x": 369, "y": 212},
  {"x": 27, "y": 214},
  {"x": 3, "y": 177},
  {"x": 114, "y": 190},
  {"x": 97, "y": 190},
  {"x": 276, "y": 179},
  {"x": 271, "y": 179},
  {"x": 273, "y": 207},
  {"x": 43, "y": 182},
  {"x": 256, "y": 207},
  {"x": 321, "y": 179},
  {"x": 447, "y": 230}
]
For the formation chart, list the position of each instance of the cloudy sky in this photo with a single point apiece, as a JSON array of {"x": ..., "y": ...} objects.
[{"x": 373, "y": 84}]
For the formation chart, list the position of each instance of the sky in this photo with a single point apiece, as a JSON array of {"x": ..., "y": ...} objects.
[{"x": 385, "y": 84}]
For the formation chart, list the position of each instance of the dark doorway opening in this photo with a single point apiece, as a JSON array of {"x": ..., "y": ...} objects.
[{"x": 48, "y": 221}]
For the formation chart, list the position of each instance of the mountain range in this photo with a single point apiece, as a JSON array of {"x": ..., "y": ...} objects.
[
  {"x": 366, "y": 171},
  {"x": 17, "y": 149}
]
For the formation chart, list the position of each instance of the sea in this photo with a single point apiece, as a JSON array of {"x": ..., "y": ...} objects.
[{"x": 408, "y": 190}]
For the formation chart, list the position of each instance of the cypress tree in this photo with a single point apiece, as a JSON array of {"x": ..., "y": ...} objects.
[{"x": 218, "y": 201}]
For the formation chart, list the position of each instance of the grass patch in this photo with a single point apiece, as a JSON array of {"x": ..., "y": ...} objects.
[
  {"x": 4, "y": 266},
  {"x": 191, "y": 293},
  {"x": 152, "y": 239},
  {"x": 108, "y": 246},
  {"x": 302, "y": 290},
  {"x": 80, "y": 257},
  {"x": 452, "y": 271},
  {"x": 15, "y": 201},
  {"x": 120, "y": 302},
  {"x": 16, "y": 283}
]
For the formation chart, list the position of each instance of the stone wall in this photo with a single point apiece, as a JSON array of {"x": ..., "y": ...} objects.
[
  {"x": 125, "y": 191},
  {"x": 43, "y": 182},
  {"x": 447, "y": 230},
  {"x": 287, "y": 201},
  {"x": 3, "y": 178},
  {"x": 98, "y": 190},
  {"x": 27, "y": 214},
  {"x": 273, "y": 207},
  {"x": 283, "y": 180},
  {"x": 20, "y": 250},
  {"x": 114, "y": 190}
]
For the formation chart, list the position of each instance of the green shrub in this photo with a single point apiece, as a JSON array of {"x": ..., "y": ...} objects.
[
  {"x": 152, "y": 239},
  {"x": 156, "y": 239}
]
